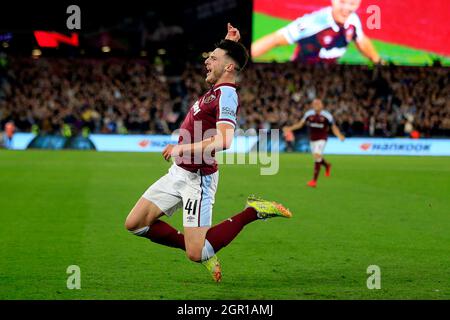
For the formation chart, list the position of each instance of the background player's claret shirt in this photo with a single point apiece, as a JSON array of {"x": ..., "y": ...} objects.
[
  {"x": 318, "y": 124},
  {"x": 320, "y": 38},
  {"x": 219, "y": 105}
]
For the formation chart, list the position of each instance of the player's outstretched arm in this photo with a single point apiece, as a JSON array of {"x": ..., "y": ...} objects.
[
  {"x": 337, "y": 132},
  {"x": 366, "y": 47},
  {"x": 268, "y": 42},
  {"x": 295, "y": 126}
]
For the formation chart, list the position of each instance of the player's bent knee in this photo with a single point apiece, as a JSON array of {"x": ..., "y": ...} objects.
[
  {"x": 194, "y": 238},
  {"x": 130, "y": 224},
  {"x": 133, "y": 227},
  {"x": 194, "y": 254}
]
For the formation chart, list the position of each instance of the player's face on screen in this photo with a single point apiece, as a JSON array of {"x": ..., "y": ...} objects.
[
  {"x": 215, "y": 65},
  {"x": 342, "y": 9}
]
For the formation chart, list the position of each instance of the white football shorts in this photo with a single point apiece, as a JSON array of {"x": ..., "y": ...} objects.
[
  {"x": 318, "y": 146},
  {"x": 190, "y": 191}
]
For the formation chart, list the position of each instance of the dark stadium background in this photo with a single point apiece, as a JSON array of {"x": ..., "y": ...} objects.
[{"x": 202, "y": 22}]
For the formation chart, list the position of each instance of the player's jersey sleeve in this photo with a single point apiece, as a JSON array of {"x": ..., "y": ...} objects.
[
  {"x": 328, "y": 116},
  {"x": 305, "y": 26},
  {"x": 228, "y": 106},
  {"x": 307, "y": 114},
  {"x": 355, "y": 21}
]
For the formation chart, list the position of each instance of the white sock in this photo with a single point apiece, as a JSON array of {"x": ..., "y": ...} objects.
[
  {"x": 207, "y": 251},
  {"x": 141, "y": 231}
]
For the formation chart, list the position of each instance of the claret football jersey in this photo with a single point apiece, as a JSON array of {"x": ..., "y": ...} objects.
[
  {"x": 319, "y": 38},
  {"x": 219, "y": 105},
  {"x": 318, "y": 124}
]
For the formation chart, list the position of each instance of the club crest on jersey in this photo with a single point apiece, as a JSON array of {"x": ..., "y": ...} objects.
[
  {"x": 349, "y": 34},
  {"x": 209, "y": 98},
  {"x": 327, "y": 40}
]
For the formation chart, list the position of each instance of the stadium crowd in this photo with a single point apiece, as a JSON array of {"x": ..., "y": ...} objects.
[
  {"x": 114, "y": 96},
  {"x": 134, "y": 96}
]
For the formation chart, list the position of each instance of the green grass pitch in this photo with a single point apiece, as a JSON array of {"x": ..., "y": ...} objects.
[{"x": 68, "y": 208}]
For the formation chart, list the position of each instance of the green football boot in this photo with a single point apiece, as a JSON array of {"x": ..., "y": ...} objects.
[
  {"x": 214, "y": 268},
  {"x": 267, "y": 209}
]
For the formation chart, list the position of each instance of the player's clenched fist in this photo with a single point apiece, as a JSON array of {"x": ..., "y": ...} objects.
[
  {"x": 233, "y": 33},
  {"x": 171, "y": 151},
  {"x": 167, "y": 152}
]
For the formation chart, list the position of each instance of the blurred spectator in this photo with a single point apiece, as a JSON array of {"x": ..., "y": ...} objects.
[
  {"x": 290, "y": 141},
  {"x": 10, "y": 128}
]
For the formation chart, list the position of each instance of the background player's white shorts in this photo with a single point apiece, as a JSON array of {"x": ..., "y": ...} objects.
[
  {"x": 191, "y": 191},
  {"x": 318, "y": 146}
]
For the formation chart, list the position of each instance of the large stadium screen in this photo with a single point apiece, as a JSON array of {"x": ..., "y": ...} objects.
[{"x": 410, "y": 32}]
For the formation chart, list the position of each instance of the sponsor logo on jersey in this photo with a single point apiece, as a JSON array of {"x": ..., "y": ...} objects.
[
  {"x": 332, "y": 53},
  {"x": 316, "y": 125},
  {"x": 227, "y": 111}
]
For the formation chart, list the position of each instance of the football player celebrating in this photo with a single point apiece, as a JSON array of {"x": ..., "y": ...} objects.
[
  {"x": 318, "y": 122},
  {"x": 322, "y": 36},
  {"x": 192, "y": 180}
]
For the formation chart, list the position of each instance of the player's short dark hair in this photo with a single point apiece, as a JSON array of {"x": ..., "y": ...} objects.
[{"x": 236, "y": 51}]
